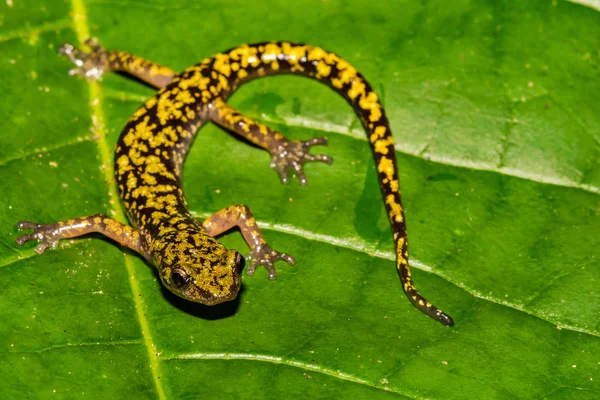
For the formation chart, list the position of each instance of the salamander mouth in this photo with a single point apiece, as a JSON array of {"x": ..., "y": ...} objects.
[
  {"x": 210, "y": 299},
  {"x": 214, "y": 300}
]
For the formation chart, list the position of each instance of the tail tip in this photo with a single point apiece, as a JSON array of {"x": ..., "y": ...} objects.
[{"x": 445, "y": 319}]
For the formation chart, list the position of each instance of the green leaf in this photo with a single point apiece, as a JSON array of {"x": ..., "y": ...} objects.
[{"x": 494, "y": 106}]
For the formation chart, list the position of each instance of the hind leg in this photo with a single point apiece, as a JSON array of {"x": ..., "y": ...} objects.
[
  {"x": 286, "y": 154},
  {"x": 93, "y": 64}
]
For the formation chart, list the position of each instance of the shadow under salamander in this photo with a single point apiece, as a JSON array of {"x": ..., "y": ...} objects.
[{"x": 218, "y": 311}]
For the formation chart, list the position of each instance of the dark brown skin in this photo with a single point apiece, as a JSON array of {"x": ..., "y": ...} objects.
[{"x": 150, "y": 153}]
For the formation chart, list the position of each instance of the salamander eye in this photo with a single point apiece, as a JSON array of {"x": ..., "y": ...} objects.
[{"x": 180, "y": 278}]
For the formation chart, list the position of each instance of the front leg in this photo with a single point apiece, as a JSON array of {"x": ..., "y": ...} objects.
[
  {"x": 286, "y": 154},
  {"x": 48, "y": 235},
  {"x": 93, "y": 64},
  {"x": 260, "y": 252}
]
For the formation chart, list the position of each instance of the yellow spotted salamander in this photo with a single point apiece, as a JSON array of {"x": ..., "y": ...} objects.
[{"x": 153, "y": 145}]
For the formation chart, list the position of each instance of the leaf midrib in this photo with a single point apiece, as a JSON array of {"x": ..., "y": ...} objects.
[{"x": 80, "y": 25}]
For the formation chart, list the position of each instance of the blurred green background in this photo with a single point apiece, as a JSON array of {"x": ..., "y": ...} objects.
[{"x": 495, "y": 109}]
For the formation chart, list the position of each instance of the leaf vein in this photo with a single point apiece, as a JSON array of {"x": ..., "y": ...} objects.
[
  {"x": 32, "y": 31},
  {"x": 289, "y": 362},
  {"x": 83, "y": 344},
  {"x": 326, "y": 127},
  {"x": 37, "y": 151},
  {"x": 371, "y": 250}
]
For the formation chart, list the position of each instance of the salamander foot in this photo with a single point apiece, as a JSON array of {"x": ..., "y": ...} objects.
[
  {"x": 266, "y": 256},
  {"x": 89, "y": 65},
  {"x": 46, "y": 235},
  {"x": 293, "y": 154}
]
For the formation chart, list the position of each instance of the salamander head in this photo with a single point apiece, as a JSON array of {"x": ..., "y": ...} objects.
[{"x": 197, "y": 268}]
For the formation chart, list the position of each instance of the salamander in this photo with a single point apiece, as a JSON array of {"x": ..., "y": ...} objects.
[{"x": 154, "y": 142}]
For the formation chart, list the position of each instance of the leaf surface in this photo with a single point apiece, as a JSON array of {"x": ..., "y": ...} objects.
[{"x": 494, "y": 107}]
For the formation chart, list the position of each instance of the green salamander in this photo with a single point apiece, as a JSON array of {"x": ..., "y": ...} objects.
[{"x": 154, "y": 143}]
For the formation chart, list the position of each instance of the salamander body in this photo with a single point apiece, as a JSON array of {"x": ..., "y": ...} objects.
[{"x": 154, "y": 143}]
